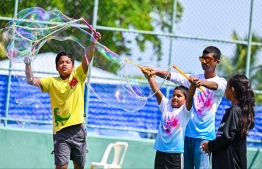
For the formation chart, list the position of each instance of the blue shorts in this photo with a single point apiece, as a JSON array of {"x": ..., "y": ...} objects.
[{"x": 70, "y": 143}]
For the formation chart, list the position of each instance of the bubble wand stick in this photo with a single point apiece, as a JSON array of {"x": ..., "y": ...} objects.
[
  {"x": 182, "y": 73},
  {"x": 89, "y": 26},
  {"x": 140, "y": 67}
]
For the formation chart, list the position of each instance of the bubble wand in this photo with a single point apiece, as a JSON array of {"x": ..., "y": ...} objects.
[
  {"x": 182, "y": 73},
  {"x": 140, "y": 67},
  {"x": 89, "y": 26}
]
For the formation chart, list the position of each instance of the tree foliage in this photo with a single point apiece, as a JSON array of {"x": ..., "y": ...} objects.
[
  {"x": 148, "y": 15},
  {"x": 237, "y": 63}
]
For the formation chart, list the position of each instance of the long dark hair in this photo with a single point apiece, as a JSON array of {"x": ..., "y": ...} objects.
[{"x": 245, "y": 95}]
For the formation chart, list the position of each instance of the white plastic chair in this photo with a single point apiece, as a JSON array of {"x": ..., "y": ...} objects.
[{"x": 120, "y": 149}]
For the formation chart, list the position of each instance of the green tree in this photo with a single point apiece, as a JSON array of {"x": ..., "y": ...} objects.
[
  {"x": 237, "y": 63},
  {"x": 147, "y": 15}
]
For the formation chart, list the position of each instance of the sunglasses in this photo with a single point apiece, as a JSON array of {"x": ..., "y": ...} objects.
[{"x": 206, "y": 59}]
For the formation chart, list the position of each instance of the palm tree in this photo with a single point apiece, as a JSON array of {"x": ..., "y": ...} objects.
[{"x": 237, "y": 63}]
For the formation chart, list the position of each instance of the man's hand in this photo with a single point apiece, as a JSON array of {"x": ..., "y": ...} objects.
[{"x": 195, "y": 81}]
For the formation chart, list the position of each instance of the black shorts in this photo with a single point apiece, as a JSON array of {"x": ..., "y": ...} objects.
[
  {"x": 70, "y": 143},
  {"x": 167, "y": 160}
]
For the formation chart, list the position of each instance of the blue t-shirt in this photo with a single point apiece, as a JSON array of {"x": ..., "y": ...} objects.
[
  {"x": 170, "y": 135},
  {"x": 202, "y": 120}
]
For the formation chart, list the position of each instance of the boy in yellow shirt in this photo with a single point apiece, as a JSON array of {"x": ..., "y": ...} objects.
[{"x": 67, "y": 103}]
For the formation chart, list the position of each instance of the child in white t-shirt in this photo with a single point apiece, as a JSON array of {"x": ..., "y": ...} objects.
[{"x": 169, "y": 144}]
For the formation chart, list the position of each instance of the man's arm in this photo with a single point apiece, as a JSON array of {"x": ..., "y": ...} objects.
[
  {"x": 209, "y": 84},
  {"x": 90, "y": 53},
  {"x": 176, "y": 78},
  {"x": 161, "y": 73}
]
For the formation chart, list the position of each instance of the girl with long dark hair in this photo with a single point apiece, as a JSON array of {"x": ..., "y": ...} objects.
[{"x": 229, "y": 148}]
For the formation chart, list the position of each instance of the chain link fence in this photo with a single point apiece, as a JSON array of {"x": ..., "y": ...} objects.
[{"x": 163, "y": 32}]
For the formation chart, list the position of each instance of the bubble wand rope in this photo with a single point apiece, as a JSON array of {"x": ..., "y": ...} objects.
[
  {"x": 140, "y": 67},
  {"x": 89, "y": 26},
  {"x": 182, "y": 73}
]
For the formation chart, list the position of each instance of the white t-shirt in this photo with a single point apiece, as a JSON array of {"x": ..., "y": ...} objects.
[
  {"x": 202, "y": 120},
  {"x": 170, "y": 135}
]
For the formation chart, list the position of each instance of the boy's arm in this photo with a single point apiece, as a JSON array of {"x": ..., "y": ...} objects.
[
  {"x": 192, "y": 89},
  {"x": 90, "y": 53},
  {"x": 155, "y": 88},
  {"x": 30, "y": 79}
]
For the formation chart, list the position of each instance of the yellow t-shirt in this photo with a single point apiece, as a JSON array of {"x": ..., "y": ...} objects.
[{"x": 67, "y": 98}]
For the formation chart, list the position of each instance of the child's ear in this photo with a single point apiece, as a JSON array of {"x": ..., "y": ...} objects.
[{"x": 232, "y": 89}]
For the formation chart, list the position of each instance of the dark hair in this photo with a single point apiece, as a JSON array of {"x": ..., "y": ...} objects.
[
  {"x": 214, "y": 50},
  {"x": 245, "y": 96},
  {"x": 60, "y": 54},
  {"x": 183, "y": 89}
]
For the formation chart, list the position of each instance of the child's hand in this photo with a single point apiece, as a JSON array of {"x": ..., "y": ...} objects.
[
  {"x": 27, "y": 60},
  {"x": 195, "y": 81},
  {"x": 91, "y": 47},
  {"x": 204, "y": 147},
  {"x": 97, "y": 36},
  {"x": 148, "y": 71}
]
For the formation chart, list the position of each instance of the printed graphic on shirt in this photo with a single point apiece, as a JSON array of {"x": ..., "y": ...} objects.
[
  {"x": 59, "y": 118},
  {"x": 221, "y": 126},
  {"x": 169, "y": 122},
  {"x": 73, "y": 82},
  {"x": 203, "y": 101},
  {"x": 220, "y": 130}
]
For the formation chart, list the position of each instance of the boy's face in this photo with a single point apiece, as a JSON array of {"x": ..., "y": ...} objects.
[
  {"x": 64, "y": 66},
  {"x": 178, "y": 99}
]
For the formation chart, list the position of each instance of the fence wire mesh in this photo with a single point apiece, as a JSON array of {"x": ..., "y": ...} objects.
[{"x": 163, "y": 32}]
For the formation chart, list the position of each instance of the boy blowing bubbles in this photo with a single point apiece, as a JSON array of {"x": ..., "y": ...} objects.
[
  {"x": 67, "y": 103},
  {"x": 169, "y": 144}
]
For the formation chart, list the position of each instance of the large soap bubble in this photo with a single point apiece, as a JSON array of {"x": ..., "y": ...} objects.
[
  {"x": 25, "y": 93},
  {"x": 127, "y": 88},
  {"x": 32, "y": 114}
]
